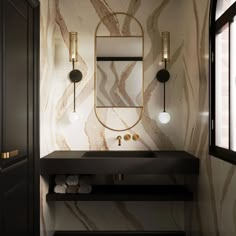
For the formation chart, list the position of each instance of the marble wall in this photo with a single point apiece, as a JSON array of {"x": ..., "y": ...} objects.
[
  {"x": 215, "y": 211},
  {"x": 57, "y": 19},
  {"x": 187, "y": 102}
]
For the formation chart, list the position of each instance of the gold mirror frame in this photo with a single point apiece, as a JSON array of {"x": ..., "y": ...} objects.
[{"x": 95, "y": 72}]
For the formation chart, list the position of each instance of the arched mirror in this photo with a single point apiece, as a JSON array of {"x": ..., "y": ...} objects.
[{"x": 119, "y": 48}]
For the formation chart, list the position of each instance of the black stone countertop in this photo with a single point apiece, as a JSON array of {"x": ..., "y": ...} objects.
[{"x": 124, "y": 162}]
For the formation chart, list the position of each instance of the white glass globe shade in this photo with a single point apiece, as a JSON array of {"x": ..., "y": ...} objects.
[
  {"x": 73, "y": 116},
  {"x": 164, "y": 117}
]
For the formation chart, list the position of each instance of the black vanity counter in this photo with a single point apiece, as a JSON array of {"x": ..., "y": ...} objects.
[{"x": 114, "y": 162}]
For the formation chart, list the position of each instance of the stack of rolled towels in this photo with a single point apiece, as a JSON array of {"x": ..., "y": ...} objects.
[
  {"x": 60, "y": 181},
  {"x": 72, "y": 184}
]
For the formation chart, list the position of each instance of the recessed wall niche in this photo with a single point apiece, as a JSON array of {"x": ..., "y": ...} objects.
[{"x": 58, "y": 18}]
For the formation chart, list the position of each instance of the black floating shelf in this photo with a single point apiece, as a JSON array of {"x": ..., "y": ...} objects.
[
  {"x": 128, "y": 193},
  {"x": 116, "y": 233}
]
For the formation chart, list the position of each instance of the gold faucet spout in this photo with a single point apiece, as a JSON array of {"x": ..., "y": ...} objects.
[{"x": 119, "y": 140}]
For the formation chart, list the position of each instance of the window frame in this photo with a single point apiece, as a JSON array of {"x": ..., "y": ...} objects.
[{"x": 215, "y": 26}]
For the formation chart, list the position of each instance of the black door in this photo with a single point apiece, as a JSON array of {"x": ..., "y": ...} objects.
[{"x": 19, "y": 117}]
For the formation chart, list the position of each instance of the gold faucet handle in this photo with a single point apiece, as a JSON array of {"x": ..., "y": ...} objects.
[
  {"x": 127, "y": 137},
  {"x": 135, "y": 137}
]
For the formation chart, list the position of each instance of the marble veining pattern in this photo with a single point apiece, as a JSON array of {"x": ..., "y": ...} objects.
[
  {"x": 119, "y": 89},
  {"x": 214, "y": 213}
]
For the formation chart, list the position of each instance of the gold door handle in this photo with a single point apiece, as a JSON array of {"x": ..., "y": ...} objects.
[{"x": 7, "y": 155}]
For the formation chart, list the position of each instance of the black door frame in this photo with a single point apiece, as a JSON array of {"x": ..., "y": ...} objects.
[
  {"x": 36, "y": 121},
  {"x": 35, "y": 5}
]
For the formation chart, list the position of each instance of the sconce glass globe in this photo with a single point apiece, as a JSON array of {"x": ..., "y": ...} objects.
[
  {"x": 164, "y": 117},
  {"x": 73, "y": 117}
]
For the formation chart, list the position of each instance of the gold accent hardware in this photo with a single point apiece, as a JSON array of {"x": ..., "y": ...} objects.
[
  {"x": 135, "y": 137},
  {"x": 119, "y": 140},
  {"x": 7, "y": 155},
  {"x": 127, "y": 137},
  {"x": 120, "y": 130}
]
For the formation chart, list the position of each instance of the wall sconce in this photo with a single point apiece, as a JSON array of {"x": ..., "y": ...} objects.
[
  {"x": 75, "y": 75},
  {"x": 163, "y": 75}
]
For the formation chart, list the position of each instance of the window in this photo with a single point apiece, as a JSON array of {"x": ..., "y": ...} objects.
[
  {"x": 223, "y": 80},
  {"x": 222, "y": 6}
]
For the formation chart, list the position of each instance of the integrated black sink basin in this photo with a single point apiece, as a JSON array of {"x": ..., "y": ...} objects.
[
  {"x": 115, "y": 162},
  {"x": 120, "y": 154}
]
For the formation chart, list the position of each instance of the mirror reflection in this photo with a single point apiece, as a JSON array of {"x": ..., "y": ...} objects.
[{"x": 119, "y": 72}]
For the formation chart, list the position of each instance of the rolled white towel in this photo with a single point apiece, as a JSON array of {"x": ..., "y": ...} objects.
[
  {"x": 72, "y": 180},
  {"x": 85, "y": 189},
  {"x": 60, "y": 179},
  {"x": 72, "y": 189},
  {"x": 60, "y": 189}
]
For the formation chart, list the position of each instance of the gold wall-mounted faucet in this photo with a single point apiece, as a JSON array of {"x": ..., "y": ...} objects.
[{"x": 119, "y": 140}]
